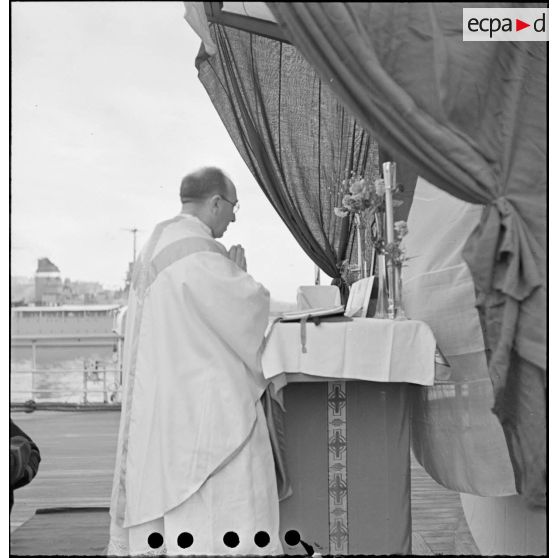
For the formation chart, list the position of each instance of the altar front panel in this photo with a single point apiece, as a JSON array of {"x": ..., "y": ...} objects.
[{"x": 347, "y": 453}]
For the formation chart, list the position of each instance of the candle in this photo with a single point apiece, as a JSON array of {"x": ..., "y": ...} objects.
[{"x": 389, "y": 180}]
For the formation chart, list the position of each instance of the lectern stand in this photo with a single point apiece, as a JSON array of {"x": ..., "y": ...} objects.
[
  {"x": 347, "y": 453},
  {"x": 347, "y": 440}
]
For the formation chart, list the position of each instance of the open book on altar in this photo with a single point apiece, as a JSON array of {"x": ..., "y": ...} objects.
[
  {"x": 313, "y": 313},
  {"x": 357, "y": 305}
]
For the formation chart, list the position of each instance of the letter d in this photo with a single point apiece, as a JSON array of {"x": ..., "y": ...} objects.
[{"x": 541, "y": 20}]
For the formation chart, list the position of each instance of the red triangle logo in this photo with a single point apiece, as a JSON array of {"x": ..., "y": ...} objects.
[{"x": 519, "y": 25}]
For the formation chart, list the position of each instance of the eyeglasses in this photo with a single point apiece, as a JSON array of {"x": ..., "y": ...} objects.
[{"x": 236, "y": 205}]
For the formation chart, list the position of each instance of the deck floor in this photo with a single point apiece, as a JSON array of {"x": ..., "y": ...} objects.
[{"x": 78, "y": 450}]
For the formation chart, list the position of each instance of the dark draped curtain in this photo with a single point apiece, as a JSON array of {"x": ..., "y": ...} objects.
[
  {"x": 295, "y": 136},
  {"x": 471, "y": 118}
]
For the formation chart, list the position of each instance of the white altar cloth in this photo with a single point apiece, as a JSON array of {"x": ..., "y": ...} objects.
[{"x": 362, "y": 349}]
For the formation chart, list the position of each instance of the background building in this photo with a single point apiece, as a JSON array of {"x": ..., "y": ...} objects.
[
  {"x": 47, "y": 288},
  {"x": 48, "y": 283}
]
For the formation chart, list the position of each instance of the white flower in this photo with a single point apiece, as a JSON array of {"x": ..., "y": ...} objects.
[
  {"x": 380, "y": 186},
  {"x": 340, "y": 212}
]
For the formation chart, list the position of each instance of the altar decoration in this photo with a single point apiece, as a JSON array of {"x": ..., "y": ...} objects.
[
  {"x": 398, "y": 258},
  {"x": 371, "y": 203},
  {"x": 361, "y": 201},
  {"x": 395, "y": 255},
  {"x": 359, "y": 297},
  {"x": 351, "y": 485}
]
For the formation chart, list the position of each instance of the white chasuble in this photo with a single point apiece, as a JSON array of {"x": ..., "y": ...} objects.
[{"x": 193, "y": 453}]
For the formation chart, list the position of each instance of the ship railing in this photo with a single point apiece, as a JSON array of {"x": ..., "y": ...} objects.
[{"x": 109, "y": 390}]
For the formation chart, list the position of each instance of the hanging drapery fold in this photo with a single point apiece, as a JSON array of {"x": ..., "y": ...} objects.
[
  {"x": 297, "y": 139},
  {"x": 471, "y": 118},
  {"x": 501, "y": 240}
]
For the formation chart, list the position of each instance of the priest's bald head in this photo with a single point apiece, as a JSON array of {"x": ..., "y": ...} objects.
[{"x": 210, "y": 195}]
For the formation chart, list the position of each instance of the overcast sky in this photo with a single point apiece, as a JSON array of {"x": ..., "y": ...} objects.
[{"x": 107, "y": 116}]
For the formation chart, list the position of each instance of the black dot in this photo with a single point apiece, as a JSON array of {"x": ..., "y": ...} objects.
[
  {"x": 185, "y": 540},
  {"x": 292, "y": 538},
  {"x": 231, "y": 539},
  {"x": 261, "y": 539},
  {"x": 155, "y": 540}
]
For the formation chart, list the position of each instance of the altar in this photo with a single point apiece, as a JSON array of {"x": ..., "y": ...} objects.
[{"x": 344, "y": 386}]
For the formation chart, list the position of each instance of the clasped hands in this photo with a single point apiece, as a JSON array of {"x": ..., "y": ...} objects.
[{"x": 236, "y": 254}]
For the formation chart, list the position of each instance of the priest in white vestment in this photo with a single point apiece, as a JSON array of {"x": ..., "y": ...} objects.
[{"x": 194, "y": 467}]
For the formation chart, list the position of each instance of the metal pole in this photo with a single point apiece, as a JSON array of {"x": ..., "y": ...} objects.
[
  {"x": 85, "y": 385},
  {"x": 120, "y": 359},
  {"x": 33, "y": 366},
  {"x": 316, "y": 275},
  {"x": 105, "y": 395}
]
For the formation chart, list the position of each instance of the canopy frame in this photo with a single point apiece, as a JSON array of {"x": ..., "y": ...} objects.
[{"x": 264, "y": 28}]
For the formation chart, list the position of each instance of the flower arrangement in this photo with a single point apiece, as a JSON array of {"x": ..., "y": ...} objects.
[
  {"x": 371, "y": 203},
  {"x": 360, "y": 196},
  {"x": 364, "y": 198},
  {"x": 393, "y": 250}
]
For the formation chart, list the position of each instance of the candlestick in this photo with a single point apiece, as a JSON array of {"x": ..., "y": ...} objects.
[
  {"x": 359, "y": 244},
  {"x": 381, "y": 270},
  {"x": 389, "y": 169},
  {"x": 361, "y": 249}
]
